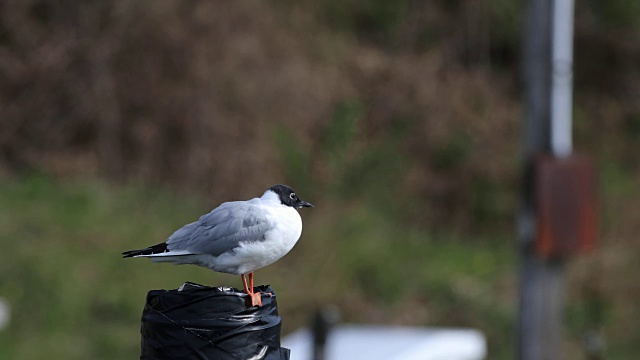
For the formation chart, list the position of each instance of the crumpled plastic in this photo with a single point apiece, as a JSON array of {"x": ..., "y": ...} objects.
[{"x": 206, "y": 323}]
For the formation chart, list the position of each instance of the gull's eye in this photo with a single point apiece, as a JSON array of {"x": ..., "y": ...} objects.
[{"x": 292, "y": 196}]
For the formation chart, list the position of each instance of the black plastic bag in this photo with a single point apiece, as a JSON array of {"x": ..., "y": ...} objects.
[{"x": 199, "y": 322}]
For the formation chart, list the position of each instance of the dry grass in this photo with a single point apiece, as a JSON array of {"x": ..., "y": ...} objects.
[{"x": 190, "y": 94}]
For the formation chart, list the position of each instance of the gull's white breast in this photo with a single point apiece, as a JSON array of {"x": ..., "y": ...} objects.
[{"x": 278, "y": 241}]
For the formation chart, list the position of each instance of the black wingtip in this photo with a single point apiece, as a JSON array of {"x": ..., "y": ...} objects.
[
  {"x": 155, "y": 249},
  {"x": 130, "y": 253}
]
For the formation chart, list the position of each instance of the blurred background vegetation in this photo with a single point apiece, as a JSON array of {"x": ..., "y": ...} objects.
[{"x": 123, "y": 120}]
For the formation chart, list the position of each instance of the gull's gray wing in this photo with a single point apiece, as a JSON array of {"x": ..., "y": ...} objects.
[{"x": 222, "y": 230}]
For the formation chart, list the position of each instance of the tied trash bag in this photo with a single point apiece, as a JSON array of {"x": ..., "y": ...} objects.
[{"x": 199, "y": 322}]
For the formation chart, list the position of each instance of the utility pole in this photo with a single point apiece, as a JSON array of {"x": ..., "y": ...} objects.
[
  {"x": 557, "y": 215},
  {"x": 540, "y": 280}
]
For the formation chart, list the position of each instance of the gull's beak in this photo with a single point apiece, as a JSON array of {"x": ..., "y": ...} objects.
[{"x": 302, "y": 204}]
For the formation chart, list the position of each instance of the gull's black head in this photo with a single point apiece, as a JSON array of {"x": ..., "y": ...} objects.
[{"x": 289, "y": 197}]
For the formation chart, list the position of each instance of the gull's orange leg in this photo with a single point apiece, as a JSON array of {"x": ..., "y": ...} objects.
[
  {"x": 256, "y": 299},
  {"x": 244, "y": 283}
]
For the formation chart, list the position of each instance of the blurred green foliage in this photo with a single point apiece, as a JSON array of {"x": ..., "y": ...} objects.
[
  {"x": 453, "y": 152},
  {"x": 341, "y": 160},
  {"x": 490, "y": 203},
  {"x": 617, "y": 14},
  {"x": 74, "y": 296},
  {"x": 375, "y": 20}
]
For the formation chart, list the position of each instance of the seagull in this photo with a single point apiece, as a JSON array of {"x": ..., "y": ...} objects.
[{"x": 237, "y": 237}]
